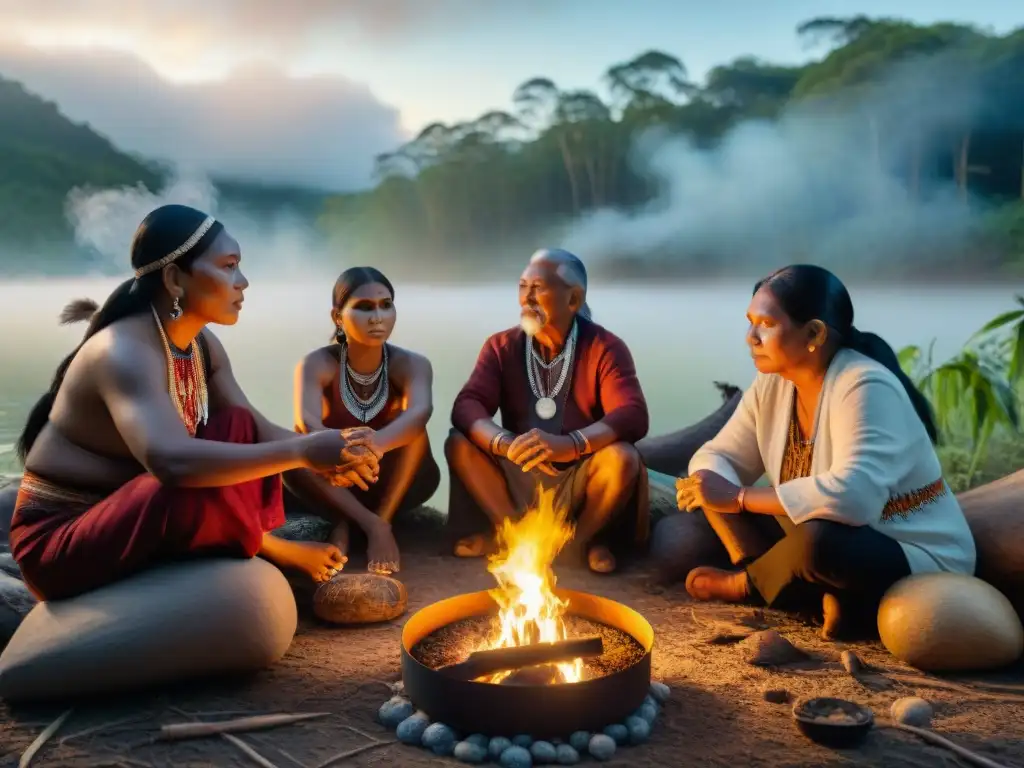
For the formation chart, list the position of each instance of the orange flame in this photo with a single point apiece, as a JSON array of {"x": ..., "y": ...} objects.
[{"x": 529, "y": 612}]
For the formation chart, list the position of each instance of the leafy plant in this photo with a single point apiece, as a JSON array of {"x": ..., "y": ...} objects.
[{"x": 977, "y": 391}]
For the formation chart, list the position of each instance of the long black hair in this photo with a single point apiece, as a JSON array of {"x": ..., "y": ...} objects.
[
  {"x": 807, "y": 292},
  {"x": 163, "y": 232},
  {"x": 350, "y": 281}
]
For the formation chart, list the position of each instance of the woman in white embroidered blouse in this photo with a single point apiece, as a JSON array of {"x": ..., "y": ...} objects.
[{"x": 857, "y": 500}]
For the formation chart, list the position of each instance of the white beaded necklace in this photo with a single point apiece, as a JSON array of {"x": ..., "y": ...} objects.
[{"x": 364, "y": 409}]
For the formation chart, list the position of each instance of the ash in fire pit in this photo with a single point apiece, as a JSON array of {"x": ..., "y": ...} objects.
[{"x": 454, "y": 642}]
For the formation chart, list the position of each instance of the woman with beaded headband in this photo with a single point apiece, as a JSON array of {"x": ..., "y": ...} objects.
[
  {"x": 857, "y": 500},
  {"x": 361, "y": 382},
  {"x": 144, "y": 447}
]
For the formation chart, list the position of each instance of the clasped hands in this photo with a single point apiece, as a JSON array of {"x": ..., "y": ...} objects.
[
  {"x": 539, "y": 450},
  {"x": 359, "y": 463},
  {"x": 708, "y": 491}
]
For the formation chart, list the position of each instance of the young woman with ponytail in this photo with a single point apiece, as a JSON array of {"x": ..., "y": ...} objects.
[
  {"x": 360, "y": 381},
  {"x": 857, "y": 500},
  {"x": 145, "y": 449}
]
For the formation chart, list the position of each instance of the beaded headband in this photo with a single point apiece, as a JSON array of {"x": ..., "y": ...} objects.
[{"x": 178, "y": 252}]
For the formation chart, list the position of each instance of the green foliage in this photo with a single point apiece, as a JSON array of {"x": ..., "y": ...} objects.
[
  {"x": 513, "y": 177},
  {"x": 976, "y": 393}
]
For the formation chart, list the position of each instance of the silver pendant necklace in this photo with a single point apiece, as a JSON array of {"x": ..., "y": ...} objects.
[
  {"x": 364, "y": 409},
  {"x": 546, "y": 407}
]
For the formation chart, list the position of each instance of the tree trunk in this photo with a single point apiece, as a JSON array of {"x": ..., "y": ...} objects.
[
  {"x": 962, "y": 171},
  {"x": 915, "y": 168},
  {"x": 571, "y": 172}
]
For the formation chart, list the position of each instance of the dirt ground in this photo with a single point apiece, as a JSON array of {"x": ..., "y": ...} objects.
[{"x": 717, "y": 714}]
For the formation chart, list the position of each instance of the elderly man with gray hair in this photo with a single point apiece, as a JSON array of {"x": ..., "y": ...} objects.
[{"x": 571, "y": 411}]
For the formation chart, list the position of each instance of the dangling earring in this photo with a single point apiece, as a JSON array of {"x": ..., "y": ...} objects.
[
  {"x": 175, "y": 312},
  {"x": 339, "y": 334},
  {"x": 811, "y": 348}
]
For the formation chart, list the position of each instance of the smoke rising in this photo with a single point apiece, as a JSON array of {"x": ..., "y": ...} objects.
[
  {"x": 282, "y": 246},
  {"x": 828, "y": 182}
]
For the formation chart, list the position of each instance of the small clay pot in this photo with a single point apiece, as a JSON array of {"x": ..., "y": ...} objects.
[{"x": 833, "y": 722}]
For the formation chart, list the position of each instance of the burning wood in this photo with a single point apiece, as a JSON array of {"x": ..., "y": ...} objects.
[
  {"x": 489, "y": 662},
  {"x": 529, "y": 611}
]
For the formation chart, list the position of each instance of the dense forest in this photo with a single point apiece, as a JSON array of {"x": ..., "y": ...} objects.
[
  {"x": 893, "y": 117},
  {"x": 938, "y": 111},
  {"x": 44, "y": 156}
]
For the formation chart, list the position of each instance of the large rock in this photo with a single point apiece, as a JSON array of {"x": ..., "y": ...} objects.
[
  {"x": 995, "y": 512},
  {"x": 8, "y": 495},
  {"x": 670, "y": 454},
  {"x": 360, "y": 598},
  {"x": 947, "y": 622},
  {"x": 176, "y": 622},
  {"x": 15, "y": 603}
]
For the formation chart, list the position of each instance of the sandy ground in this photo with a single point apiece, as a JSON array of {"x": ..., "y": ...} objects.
[{"x": 717, "y": 715}]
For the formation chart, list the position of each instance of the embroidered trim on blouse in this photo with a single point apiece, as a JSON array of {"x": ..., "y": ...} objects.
[{"x": 906, "y": 504}]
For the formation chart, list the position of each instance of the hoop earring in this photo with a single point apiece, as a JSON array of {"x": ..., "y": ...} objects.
[{"x": 176, "y": 311}]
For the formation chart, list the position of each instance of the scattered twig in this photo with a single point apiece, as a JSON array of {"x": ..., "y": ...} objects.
[
  {"x": 248, "y": 751},
  {"x": 364, "y": 734},
  {"x": 197, "y": 730},
  {"x": 41, "y": 739},
  {"x": 103, "y": 727},
  {"x": 940, "y": 741},
  {"x": 359, "y": 750},
  {"x": 1010, "y": 693}
]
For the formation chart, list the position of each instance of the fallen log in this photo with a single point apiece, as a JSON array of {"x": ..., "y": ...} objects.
[
  {"x": 994, "y": 513},
  {"x": 670, "y": 454},
  {"x": 495, "y": 660}
]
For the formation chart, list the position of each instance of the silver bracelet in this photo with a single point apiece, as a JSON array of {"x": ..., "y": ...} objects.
[{"x": 739, "y": 499}]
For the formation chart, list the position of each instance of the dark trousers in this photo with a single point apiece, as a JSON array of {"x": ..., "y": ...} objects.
[{"x": 793, "y": 569}]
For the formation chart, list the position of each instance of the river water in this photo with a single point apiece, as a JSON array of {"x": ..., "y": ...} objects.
[{"x": 682, "y": 337}]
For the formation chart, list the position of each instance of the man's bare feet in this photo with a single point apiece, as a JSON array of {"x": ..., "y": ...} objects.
[
  {"x": 706, "y": 583},
  {"x": 600, "y": 559},
  {"x": 320, "y": 561},
  {"x": 476, "y": 545},
  {"x": 382, "y": 555}
]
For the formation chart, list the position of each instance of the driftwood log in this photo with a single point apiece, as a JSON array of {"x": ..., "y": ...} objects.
[
  {"x": 670, "y": 454},
  {"x": 995, "y": 512}
]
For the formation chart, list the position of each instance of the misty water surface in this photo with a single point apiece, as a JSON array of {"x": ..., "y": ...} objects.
[{"x": 682, "y": 338}]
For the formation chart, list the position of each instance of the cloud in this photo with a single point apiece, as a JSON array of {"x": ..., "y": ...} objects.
[
  {"x": 268, "y": 25},
  {"x": 256, "y": 124}
]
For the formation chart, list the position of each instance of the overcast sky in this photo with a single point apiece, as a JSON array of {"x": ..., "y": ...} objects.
[{"x": 308, "y": 92}]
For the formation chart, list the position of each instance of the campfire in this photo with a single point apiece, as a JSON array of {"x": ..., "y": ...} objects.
[
  {"x": 529, "y": 610},
  {"x": 526, "y": 656}
]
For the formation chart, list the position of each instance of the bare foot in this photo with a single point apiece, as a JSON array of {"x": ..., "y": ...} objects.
[
  {"x": 320, "y": 561},
  {"x": 473, "y": 546},
  {"x": 382, "y": 554},
  {"x": 600, "y": 559},
  {"x": 706, "y": 583}
]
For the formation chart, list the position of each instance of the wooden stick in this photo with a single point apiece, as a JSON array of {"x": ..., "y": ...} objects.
[
  {"x": 1011, "y": 693},
  {"x": 956, "y": 749},
  {"x": 41, "y": 739},
  {"x": 248, "y": 751},
  {"x": 501, "y": 659},
  {"x": 353, "y": 752},
  {"x": 178, "y": 731}
]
